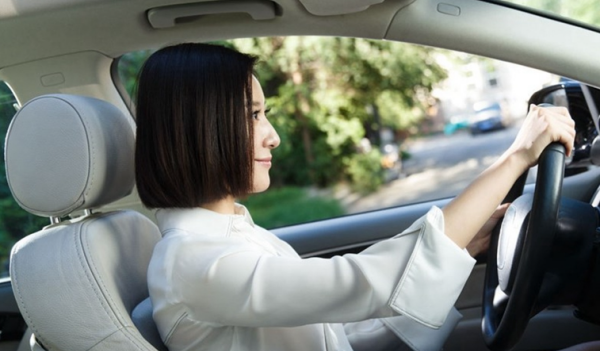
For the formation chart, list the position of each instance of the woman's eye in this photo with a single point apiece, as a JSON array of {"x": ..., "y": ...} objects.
[{"x": 256, "y": 114}]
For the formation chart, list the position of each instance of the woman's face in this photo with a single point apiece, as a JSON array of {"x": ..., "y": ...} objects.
[{"x": 265, "y": 139}]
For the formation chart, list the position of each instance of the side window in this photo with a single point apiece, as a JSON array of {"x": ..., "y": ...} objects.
[
  {"x": 15, "y": 223},
  {"x": 129, "y": 66},
  {"x": 366, "y": 125}
]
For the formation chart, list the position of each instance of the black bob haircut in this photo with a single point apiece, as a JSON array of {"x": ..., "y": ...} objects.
[{"x": 194, "y": 141}]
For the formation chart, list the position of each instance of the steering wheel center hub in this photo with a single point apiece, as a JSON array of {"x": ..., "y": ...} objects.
[{"x": 511, "y": 240}]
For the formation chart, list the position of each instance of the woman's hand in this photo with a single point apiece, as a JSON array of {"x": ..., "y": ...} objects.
[
  {"x": 542, "y": 126},
  {"x": 467, "y": 213},
  {"x": 481, "y": 241}
]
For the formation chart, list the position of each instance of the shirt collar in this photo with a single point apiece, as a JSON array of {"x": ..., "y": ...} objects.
[{"x": 200, "y": 220}]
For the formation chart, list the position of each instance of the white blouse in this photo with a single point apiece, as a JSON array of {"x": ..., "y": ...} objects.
[{"x": 220, "y": 282}]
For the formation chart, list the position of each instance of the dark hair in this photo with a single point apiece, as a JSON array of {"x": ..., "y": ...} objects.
[{"x": 194, "y": 126}]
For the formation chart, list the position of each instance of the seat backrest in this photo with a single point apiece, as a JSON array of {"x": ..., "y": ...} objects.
[{"x": 77, "y": 282}]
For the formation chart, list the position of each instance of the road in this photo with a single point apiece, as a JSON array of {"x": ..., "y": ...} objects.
[{"x": 439, "y": 166}]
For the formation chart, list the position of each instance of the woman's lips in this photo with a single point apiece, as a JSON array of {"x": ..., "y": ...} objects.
[{"x": 265, "y": 162}]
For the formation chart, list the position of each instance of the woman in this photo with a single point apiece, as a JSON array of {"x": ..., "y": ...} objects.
[{"x": 219, "y": 282}]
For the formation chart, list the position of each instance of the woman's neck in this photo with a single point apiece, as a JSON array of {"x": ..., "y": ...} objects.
[{"x": 223, "y": 206}]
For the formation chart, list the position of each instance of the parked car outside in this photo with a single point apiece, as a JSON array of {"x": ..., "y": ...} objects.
[{"x": 488, "y": 116}]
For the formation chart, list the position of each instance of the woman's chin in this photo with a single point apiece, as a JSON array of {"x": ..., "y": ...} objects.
[{"x": 259, "y": 188}]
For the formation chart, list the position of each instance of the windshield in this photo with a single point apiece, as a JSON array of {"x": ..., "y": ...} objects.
[{"x": 583, "y": 11}]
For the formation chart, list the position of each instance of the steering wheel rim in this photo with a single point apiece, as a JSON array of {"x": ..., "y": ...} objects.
[{"x": 505, "y": 317}]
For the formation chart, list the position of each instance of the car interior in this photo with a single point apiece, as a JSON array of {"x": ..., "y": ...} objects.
[
  {"x": 79, "y": 281},
  {"x": 102, "y": 257}
]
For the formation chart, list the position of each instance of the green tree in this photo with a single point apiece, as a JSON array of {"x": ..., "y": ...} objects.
[
  {"x": 329, "y": 93},
  {"x": 129, "y": 67}
]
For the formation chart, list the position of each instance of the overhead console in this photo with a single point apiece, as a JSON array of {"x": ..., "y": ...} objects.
[
  {"x": 337, "y": 7},
  {"x": 168, "y": 16}
]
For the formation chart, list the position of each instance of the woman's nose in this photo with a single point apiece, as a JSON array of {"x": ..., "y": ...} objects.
[{"x": 273, "y": 138}]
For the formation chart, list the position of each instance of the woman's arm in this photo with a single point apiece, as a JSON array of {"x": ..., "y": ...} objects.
[
  {"x": 470, "y": 210},
  {"x": 230, "y": 281}
]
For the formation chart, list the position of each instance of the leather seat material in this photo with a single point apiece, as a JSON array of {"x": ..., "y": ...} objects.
[
  {"x": 89, "y": 274},
  {"x": 66, "y": 152}
]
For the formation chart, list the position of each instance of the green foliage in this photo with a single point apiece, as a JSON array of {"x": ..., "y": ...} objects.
[
  {"x": 290, "y": 205},
  {"x": 365, "y": 171},
  {"x": 405, "y": 155},
  {"x": 129, "y": 68},
  {"x": 326, "y": 94}
]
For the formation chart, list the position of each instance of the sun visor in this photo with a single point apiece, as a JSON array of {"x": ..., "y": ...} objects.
[{"x": 337, "y": 7}]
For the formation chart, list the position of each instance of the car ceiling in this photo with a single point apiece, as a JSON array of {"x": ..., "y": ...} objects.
[{"x": 31, "y": 30}]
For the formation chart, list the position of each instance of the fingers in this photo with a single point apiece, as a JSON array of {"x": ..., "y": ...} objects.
[
  {"x": 481, "y": 241},
  {"x": 500, "y": 211},
  {"x": 557, "y": 109},
  {"x": 561, "y": 126}
]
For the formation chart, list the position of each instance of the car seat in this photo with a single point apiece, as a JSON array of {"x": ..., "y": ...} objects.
[{"x": 79, "y": 280}]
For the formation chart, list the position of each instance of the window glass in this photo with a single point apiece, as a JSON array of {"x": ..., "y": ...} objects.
[
  {"x": 584, "y": 11},
  {"x": 366, "y": 124},
  {"x": 15, "y": 223},
  {"x": 129, "y": 66}
]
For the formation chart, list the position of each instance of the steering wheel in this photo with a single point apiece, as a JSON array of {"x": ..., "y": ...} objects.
[{"x": 508, "y": 305}]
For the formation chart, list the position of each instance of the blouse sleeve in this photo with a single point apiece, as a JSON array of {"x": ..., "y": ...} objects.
[
  {"x": 228, "y": 281},
  {"x": 399, "y": 333}
]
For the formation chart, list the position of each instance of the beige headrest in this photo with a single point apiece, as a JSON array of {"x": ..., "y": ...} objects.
[{"x": 65, "y": 153}]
